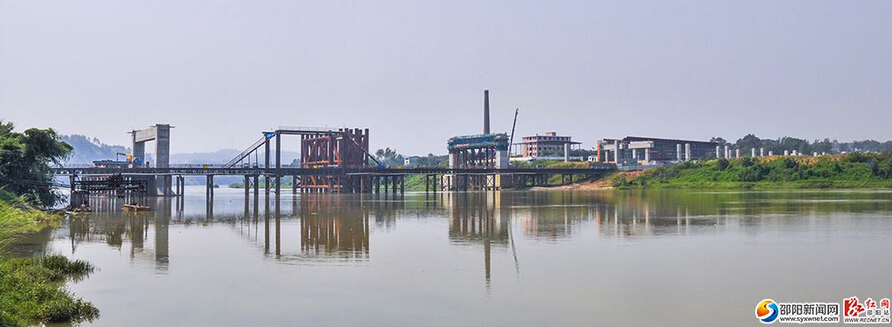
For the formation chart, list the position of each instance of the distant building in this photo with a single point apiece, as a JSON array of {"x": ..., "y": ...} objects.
[
  {"x": 633, "y": 149},
  {"x": 549, "y": 144}
]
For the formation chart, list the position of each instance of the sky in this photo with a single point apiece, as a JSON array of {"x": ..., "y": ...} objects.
[{"x": 413, "y": 72}]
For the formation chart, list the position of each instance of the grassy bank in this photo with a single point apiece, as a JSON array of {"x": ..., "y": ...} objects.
[
  {"x": 855, "y": 170},
  {"x": 32, "y": 290}
]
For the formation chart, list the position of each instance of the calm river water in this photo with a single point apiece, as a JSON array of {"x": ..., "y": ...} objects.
[{"x": 550, "y": 258}]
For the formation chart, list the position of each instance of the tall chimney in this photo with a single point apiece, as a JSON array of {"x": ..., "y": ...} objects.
[{"x": 485, "y": 111}]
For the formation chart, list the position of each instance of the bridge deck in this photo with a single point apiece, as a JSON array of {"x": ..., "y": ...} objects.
[{"x": 290, "y": 171}]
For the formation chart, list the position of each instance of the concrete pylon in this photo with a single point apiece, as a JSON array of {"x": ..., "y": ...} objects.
[
  {"x": 761, "y": 152},
  {"x": 737, "y": 153},
  {"x": 753, "y": 152},
  {"x": 566, "y": 152},
  {"x": 718, "y": 151},
  {"x": 616, "y": 154}
]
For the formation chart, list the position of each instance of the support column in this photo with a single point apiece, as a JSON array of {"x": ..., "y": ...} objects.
[
  {"x": 616, "y": 154},
  {"x": 247, "y": 187},
  {"x": 278, "y": 166},
  {"x": 266, "y": 167}
]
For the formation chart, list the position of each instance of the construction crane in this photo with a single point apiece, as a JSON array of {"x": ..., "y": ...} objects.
[{"x": 511, "y": 141}]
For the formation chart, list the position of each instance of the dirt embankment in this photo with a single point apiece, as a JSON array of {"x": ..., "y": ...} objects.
[{"x": 603, "y": 183}]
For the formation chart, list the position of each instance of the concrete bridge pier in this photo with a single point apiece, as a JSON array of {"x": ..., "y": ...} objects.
[
  {"x": 181, "y": 185},
  {"x": 209, "y": 192}
]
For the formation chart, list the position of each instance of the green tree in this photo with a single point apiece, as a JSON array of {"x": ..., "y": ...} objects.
[
  {"x": 25, "y": 161},
  {"x": 389, "y": 157},
  {"x": 719, "y": 140},
  {"x": 748, "y": 142}
]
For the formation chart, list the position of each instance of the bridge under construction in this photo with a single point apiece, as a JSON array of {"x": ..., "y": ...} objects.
[{"x": 331, "y": 161}]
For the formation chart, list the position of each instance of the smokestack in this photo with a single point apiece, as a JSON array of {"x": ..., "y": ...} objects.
[{"x": 485, "y": 111}]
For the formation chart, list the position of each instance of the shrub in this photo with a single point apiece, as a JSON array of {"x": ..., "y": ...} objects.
[
  {"x": 753, "y": 173},
  {"x": 722, "y": 164},
  {"x": 620, "y": 182},
  {"x": 62, "y": 267},
  {"x": 66, "y": 309}
]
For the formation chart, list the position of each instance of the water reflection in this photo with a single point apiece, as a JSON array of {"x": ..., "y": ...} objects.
[
  {"x": 331, "y": 228},
  {"x": 508, "y": 258},
  {"x": 338, "y": 228},
  {"x": 120, "y": 229}
]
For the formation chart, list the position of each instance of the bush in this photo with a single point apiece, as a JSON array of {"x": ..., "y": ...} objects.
[
  {"x": 753, "y": 173},
  {"x": 884, "y": 169},
  {"x": 747, "y": 162},
  {"x": 32, "y": 291},
  {"x": 722, "y": 164},
  {"x": 856, "y": 157},
  {"x": 66, "y": 309},
  {"x": 63, "y": 267},
  {"x": 620, "y": 182}
]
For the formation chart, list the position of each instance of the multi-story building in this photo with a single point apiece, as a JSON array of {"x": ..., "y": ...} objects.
[{"x": 549, "y": 144}]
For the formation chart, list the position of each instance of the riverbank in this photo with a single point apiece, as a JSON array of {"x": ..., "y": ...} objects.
[
  {"x": 32, "y": 290},
  {"x": 856, "y": 170}
]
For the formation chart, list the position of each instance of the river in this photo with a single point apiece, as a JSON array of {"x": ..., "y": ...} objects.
[{"x": 543, "y": 258}]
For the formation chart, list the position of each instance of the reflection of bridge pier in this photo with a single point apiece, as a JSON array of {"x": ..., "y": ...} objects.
[
  {"x": 114, "y": 227},
  {"x": 334, "y": 229},
  {"x": 474, "y": 220},
  {"x": 162, "y": 215}
]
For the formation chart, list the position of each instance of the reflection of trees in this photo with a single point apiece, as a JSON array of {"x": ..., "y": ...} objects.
[
  {"x": 667, "y": 212},
  {"x": 382, "y": 206},
  {"x": 332, "y": 228}
]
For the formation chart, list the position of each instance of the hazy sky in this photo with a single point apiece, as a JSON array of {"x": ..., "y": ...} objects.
[{"x": 414, "y": 71}]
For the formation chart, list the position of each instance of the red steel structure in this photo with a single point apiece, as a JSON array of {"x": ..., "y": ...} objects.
[{"x": 347, "y": 148}]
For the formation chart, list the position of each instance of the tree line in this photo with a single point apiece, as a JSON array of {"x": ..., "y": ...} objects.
[{"x": 786, "y": 143}]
